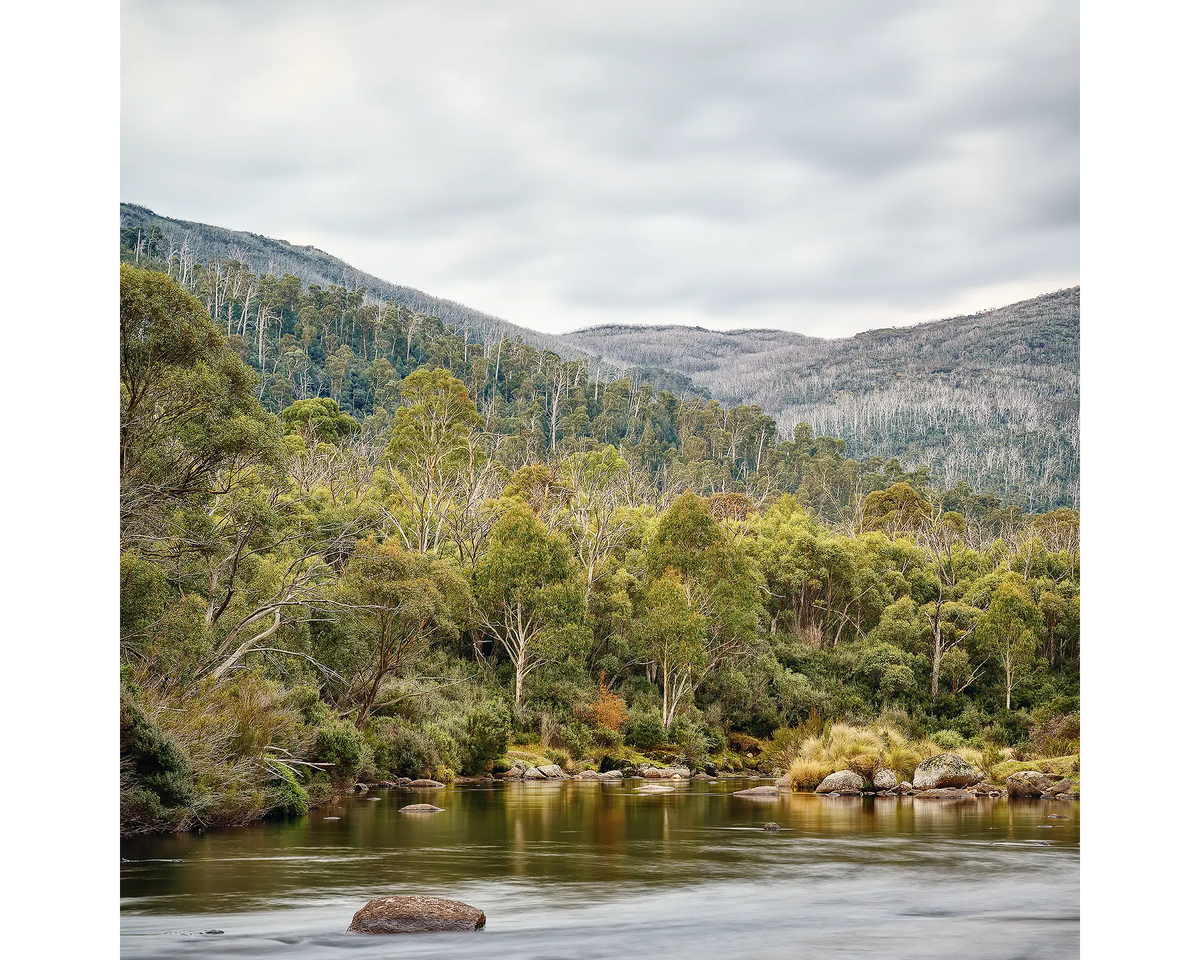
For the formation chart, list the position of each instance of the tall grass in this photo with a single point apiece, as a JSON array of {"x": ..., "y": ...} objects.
[{"x": 865, "y": 749}]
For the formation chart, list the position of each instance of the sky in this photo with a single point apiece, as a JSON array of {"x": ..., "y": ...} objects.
[{"x": 819, "y": 167}]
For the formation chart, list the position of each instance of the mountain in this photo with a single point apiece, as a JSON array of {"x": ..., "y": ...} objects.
[{"x": 991, "y": 399}]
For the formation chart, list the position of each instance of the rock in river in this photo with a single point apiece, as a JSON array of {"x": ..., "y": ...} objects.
[
  {"x": 771, "y": 791},
  {"x": 420, "y": 808},
  {"x": 409, "y": 914},
  {"x": 885, "y": 779},
  {"x": 771, "y": 826},
  {"x": 428, "y": 784},
  {"x": 653, "y": 788},
  {"x": 844, "y": 781}
]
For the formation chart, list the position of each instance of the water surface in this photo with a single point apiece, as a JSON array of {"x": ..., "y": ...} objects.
[{"x": 587, "y": 869}]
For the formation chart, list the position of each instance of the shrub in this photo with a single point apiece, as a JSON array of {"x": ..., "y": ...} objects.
[
  {"x": 948, "y": 739},
  {"x": 607, "y": 711},
  {"x": 578, "y": 739},
  {"x": 744, "y": 743},
  {"x": 690, "y": 738},
  {"x": 557, "y": 756},
  {"x": 405, "y": 751},
  {"x": 488, "y": 729},
  {"x": 341, "y": 743},
  {"x": 645, "y": 731}
]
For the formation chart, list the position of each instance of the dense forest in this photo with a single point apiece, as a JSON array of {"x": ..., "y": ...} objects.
[
  {"x": 990, "y": 399},
  {"x": 356, "y": 543}
]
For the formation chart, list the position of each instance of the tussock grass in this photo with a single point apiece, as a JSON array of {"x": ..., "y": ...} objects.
[
  {"x": 1067, "y": 766},
  {"x": 863, "y": 750}
]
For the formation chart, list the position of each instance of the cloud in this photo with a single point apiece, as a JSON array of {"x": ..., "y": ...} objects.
[{"x": 726, "y": 164}]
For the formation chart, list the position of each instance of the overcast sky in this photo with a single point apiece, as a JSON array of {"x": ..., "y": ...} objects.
[{"x": 825, "y": 167}]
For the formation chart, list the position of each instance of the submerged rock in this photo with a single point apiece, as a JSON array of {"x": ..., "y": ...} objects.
[
  {"x": 771, "y": 791},
  {"x": 843, "y": 781},
  {"x": 946, "y": 770},
  {"x": 946, "y": 793},
  {"x": 420, "y": 808},
  {"x": 771, "y": 826},
  {"x": 653, "y": 788},
  {"x": 409, "y": 914}
]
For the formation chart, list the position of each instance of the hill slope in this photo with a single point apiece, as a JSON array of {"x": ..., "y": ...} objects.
[{"x": 991, "y": 398}]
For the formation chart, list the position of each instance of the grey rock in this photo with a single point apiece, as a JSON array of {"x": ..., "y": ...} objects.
[
  {"x": 1028, "y": 783},
  {"x": 771, "y": 826},
  {"x": 408, "y": 914},
  {"x": 946, "y": 770},
  {"x": 420, "y": 808},
  {"x": 885, "y": 779},
  {"x": 425, "y": 784},
  {"x": 552, "y": 771},
  {"x": 842, "y": 781},
  {"x": 771, "y": 791},
  {"x": 533, "y": 773}
]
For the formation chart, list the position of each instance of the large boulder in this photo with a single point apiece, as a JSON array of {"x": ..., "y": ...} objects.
[
  {"x": 1029, "y": 783},
  {"x": 420, "y": 808},
  {"x": 612, "y": 775},
  {"x": 533, "y": 773},
  {"x": 425, "y": 784},
  {"x": 415, "y": 915},
  {"x": 885, "y": 779},
  {"x": 758, "y": 792},
  {"x": 552, "y": 771},
  {"x": 946, "y": 770},
  {"x": 587, "y": 775},
  {"x": 843, "y": 781}
]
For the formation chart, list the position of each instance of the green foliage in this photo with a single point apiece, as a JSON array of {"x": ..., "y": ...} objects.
[
  {"x": 403, "y": 751},
  {"x": 318, "y": 418},
  {"x": 645, "y": 730},
  {"x": 342, "y": 744}
]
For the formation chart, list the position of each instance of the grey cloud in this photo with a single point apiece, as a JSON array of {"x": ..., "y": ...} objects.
[{"x": 716, "y": 163}]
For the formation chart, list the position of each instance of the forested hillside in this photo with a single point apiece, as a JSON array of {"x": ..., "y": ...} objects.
[
  {"x": 497, "y": 552},
  {"x": 991, "y": 400}
]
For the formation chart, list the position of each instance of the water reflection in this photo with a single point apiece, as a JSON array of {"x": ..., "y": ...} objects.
[{"x": 690, "y": 867}]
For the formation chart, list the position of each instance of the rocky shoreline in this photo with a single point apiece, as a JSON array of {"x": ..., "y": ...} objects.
[{"x": 944, "y": 777}]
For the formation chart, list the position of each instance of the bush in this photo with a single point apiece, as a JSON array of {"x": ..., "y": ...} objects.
[
  {"x": 608, "y": 710},
  {"x": 645, "y": 731},
  {"x": 949, "y": 740},
  {"x": 156, "y": 762},
  {"x": 690, "y": 738},
  {"x": 341, "y": 743},
  {"x": 404, "y": 751},
  {"x": 291, "y": 799},
  {"x": 579, "y": 740},
  {"x": 488, "y": 729}
]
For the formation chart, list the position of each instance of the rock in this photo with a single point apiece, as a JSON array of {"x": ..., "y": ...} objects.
[
  {"x": 611, "y": 775},
  {"x": 401, "y": 782},
  {"x": 771, "y": 826},
  {"x": 1057, "y": 816},
  {"x": 360, "y": 788},
  {"x": 841, "y": 782},
  {"x": 653, "y": 788},
  {"x": 904, "y": 787},
  {"x": 946, "y": 793},
  {"x": 552, "y": 771},
  {"x": 1028, "y": 783},
  {"x": 587, "y": 775},
  {"x": 415, "y": 915},
  {"x": 608, "y": 763},
  {"x": 533, "y": 773},
  {"x": 425, "y": 784},
  {"x": 945, "y": 770},
  {"x": 884, "y": 779},
  {"x": 651, "y": 772},
  {"x": 771, "y": 791},
  {"x": 420, "y": 808}
]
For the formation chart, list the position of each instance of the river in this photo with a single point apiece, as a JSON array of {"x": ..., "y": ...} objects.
[{"x": 593, "y": 870}]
